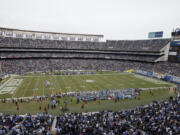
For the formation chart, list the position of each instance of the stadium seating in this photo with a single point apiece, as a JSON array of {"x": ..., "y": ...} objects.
[
  {"x": 27, "y": 124},
  {"x": 33, "y": 65},
  {"x": 123, "y": 45},
  {"x": 28, "y": 55},
  {"x": 19, "y": 56},
  {"x": 159, "y": 117}
]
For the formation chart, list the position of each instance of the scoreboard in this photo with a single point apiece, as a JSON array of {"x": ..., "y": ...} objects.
[{"x": 155, "y": 34}]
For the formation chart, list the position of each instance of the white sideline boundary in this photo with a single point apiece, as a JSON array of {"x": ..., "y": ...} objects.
[
  {"x": 31, "y": 97},
  {"x": 150, "y": 79},
  {"x": 74, "y": 75}
]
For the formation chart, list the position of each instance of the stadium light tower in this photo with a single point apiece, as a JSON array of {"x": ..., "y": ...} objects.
[
  {"x": 176, "y": 34},
  {"x": 174, "y": 51}
]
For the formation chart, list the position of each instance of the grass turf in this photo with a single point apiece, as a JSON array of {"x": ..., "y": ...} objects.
[
  {"x": 35, "y": 84},
  {"x": 61, "y": 84},
  {"x": 91, "y": 106}
]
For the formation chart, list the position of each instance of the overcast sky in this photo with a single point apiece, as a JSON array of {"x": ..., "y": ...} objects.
[{"x": 115, "y": 19}]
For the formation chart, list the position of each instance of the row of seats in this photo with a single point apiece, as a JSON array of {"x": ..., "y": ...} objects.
[
  {"x": 121, "y": 45},
  {"x": 11, "y": 55},
  {"x": 21, "y": 66}
]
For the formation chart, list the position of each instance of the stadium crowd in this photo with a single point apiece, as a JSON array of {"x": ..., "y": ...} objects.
[
  {"x": 32, "y": 65},
  {"x": 26, "y": 125},
  {"x": 5, "y": 55},
  {"x": 160, "y": 117},
  {"x": 19, "y": 62},
  {"x": 139, "y": 45},
  {"x": 157, "y": 118},
  {"x": 125, "y": 45}
]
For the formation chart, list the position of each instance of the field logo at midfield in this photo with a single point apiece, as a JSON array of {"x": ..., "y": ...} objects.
[
  {"x": 10, "y": 86},
  {"x": 89, "y": 81}
]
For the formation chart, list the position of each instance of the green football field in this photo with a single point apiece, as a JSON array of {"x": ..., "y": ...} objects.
[
  {"x": 40, "y": 85},
  {"x": 33, "y": 84}
]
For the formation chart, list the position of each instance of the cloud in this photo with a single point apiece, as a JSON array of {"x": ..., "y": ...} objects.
[{"x": 116, "y": 19}]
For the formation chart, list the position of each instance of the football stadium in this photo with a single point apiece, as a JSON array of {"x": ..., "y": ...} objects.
[{"x": 54, "y": 83}]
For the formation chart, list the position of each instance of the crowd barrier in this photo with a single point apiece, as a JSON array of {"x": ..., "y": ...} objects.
[
  {"x": 169, "y": 78},
  {"x": 108, "y": 94}
]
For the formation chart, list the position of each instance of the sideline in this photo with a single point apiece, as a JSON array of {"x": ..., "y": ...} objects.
[
  {"x": 70, "y": 92},
  {"x": 74, "y": 75}
]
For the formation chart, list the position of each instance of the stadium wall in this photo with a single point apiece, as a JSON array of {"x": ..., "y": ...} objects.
[{"x": 165, "y": 52}]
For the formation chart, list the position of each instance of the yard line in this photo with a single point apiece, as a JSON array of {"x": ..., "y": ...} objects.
[
  {"x": 27, "y": 87},
  {"x": 43, "y": 87},
  {"x": 57, "y": 82},
  {"x": 52, "y": 83},
  {"x": 36, "y": 83}
]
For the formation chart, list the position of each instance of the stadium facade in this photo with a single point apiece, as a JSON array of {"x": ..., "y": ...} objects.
[{"x": 27, "y": 34}]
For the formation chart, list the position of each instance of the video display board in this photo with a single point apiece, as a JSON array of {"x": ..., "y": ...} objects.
[{"x": 155, "y": 34}]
